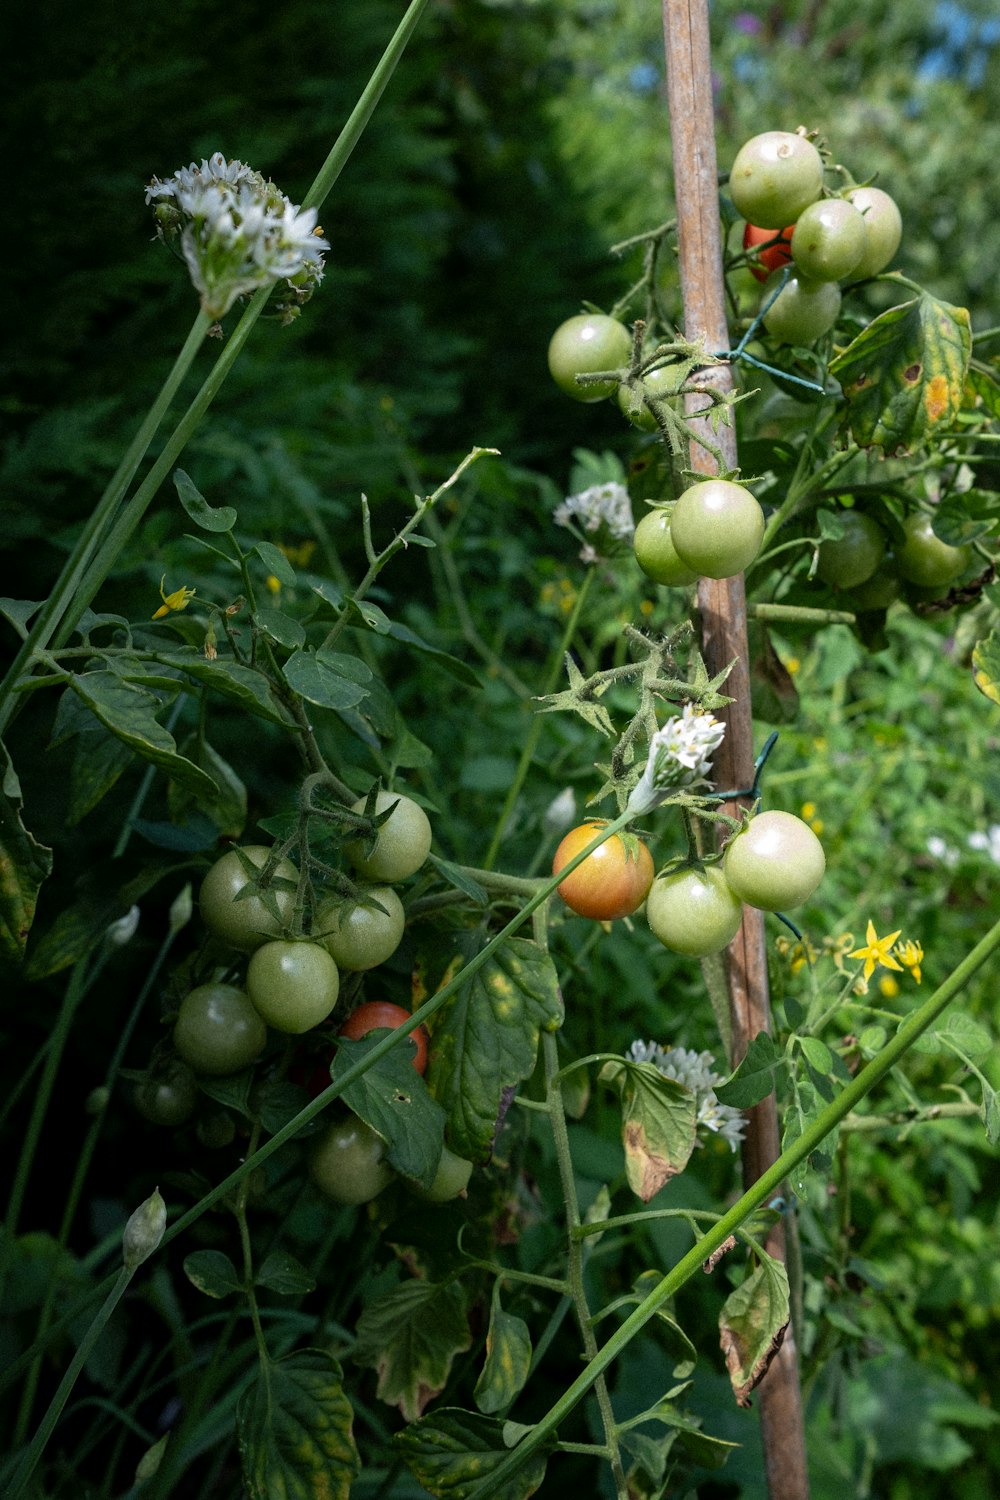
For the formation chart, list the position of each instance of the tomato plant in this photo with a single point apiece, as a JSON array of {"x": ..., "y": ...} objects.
[
  {"x": 924, "y": 559},
  {"x": 774, "y": 177},
  {"x": 776, "y": 251},
  {"x": 377, "y": 1015},
  {"x": 402, "y": 842},
  {"x": 585, "y": 345},
  {"x": 361, "y": 934},
  {"x": 829, "y": 240},
  {"x": 347, "y": 1162},
  {"x": 237, "y": 914},
  {"x": 692, "y": 910},
  {"x": 610, "y": 883},
  {"x": 656, "y": 554},
  {"x": 883, "y": 229},
  {"x": 803, "y": 311},
  {"x": 658, "y": 384},
  {"x": 218, "y": 1030},
  {"x": 851, "y": 559},
  {"x": 717, "y": 528},
  {"x": 775, "y": 863},
  {"x": 167, "y": 1097},
  {"x": 294, "y": 986}
]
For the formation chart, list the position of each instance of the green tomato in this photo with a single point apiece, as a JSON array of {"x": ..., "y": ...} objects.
[
  {"x": 659, "y": 385},
  {"x": 775, "y": 863},
  {"x": 656, "y": 554},
  {"x": 402, "y": 842},
  {"x": 855, "y": 556},
  {"x": 218, "y": 1031},
  {"x": 169, "y": 1097},
  {"x": 245, "y": 921},
  {"x": 717, "y": 528},
  {"x": 877, "y": 592},
  {"x": 925, "y": 559},
  {"x": 585, "y": 345},
  {"x": 803, "y": 311},
  {"x": 828, "y": 240},
  {"x": 346, "y": 1162},
  {"x": 774, "y": 177},
  {"x": 450, "y": 1180},
  {"x": 693, "y": 911},
  {"x": 357, "y": 933},
  {"x": 883, "y": 229},
  {"x": 293, "y": 986}
]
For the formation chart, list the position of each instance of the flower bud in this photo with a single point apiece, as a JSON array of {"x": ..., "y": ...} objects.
[{"x": 144, "y": 1230}]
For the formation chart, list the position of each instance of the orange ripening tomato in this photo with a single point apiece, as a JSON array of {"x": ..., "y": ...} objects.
[
  {"x": 612, "y": 882},
  {"x": 374, "y": 1015},
  {"x": 775, "y": 255}
]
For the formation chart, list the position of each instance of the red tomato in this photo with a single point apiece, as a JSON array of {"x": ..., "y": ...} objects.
[
  {"x": 375, "y": 1014},
  {"x": 774, "y": 256},
  {"x": 612, "y": 882}
]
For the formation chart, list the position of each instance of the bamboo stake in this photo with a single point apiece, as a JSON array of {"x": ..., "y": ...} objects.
[{"x": 722, "y": 605}]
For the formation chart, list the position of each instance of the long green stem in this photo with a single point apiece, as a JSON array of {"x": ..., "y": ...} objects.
[{"x": 765, "y": 1186}]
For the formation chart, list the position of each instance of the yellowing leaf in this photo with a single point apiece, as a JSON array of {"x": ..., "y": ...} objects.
[
  {"x": 752, "y": 1325},
  {"x": 294, "y": 1427},
  {"x": 986, "y": 666}
]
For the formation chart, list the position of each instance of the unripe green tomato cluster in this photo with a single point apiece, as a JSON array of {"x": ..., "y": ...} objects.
[
  {"x": 861, "y": 562},
  {"x": 774, "y": 864},
  {"x": 714, "y": 531},
  {"x": 777, "y": 184}
]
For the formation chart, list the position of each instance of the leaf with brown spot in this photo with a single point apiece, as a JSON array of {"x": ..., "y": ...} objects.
[
  {"x": 410, "y": 1336},
  {"x": 658, "y": 1124},
  {"x": 752, "y": 1325},
  {"x": 904, "y": 376},
  {"x": 294, "y": 1429},
  {"x": 24, "y": 865},
  {"x": 986, "y": 666}
]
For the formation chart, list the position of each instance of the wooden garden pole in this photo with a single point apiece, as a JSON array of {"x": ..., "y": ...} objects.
[{"x": 722, "y": 605}]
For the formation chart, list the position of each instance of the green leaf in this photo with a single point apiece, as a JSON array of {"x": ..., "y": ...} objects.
[
  {"x": 321, "y": 680},
  {"x": 969, "y": 1038},
  {"x": 276, "y": 563},
  {"x": 682, "y": 1350},
  {"x": 294, "y": 1426},
  {"x": 508, "y": 1359},
  {"x": 964, "y": 517},
  {"x": 226, "y": 806},
  {"x": 410, "y": 1337},
  {"x": 130, "y": 714},
  {"x": 755, "y": 1077},
  {"x": 904, "y": 375},
  {"x": 24, "y": 865},
  {"x": 817, "y": 1054},
  {"x": 984, "y": 383},
  {"x": 486, "y": 1040},
  {"x": 99, "y": 757},
  {"x": 457, "y": 877},
  {"x": 197, "y": 507},
  {"x": 19, "y": 612},
  {"x": 752, "y": 1325},
  {"x": 281, "y": 627},
  {"x": 230, "y": 679},
  {"x": 213, "y": 1273},
  {"x": 986, "y": 666},
  {"x": 991, "y": 1113},
  {"x": 394, "y": 1100},
  {"x": 282, "y": 1273},
  {"x": 233, "y": 1090},
  {"x": 452, "y": 1452},
  {"x": 658, "y": 1124},
  {"x": 456, "y": 668}
]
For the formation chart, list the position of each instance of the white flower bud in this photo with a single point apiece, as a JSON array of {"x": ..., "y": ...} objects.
[
  {"x": 123, "y": 931},
  {"x": 181, "y": 909},
  {"x": 144, "y": 1230},
  {"x": 680, "y": 755},
  {"x": 561, "y": 811}
]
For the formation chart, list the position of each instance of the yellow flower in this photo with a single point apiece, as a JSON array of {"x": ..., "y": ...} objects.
[
  {"x": 792, "y": 665},
  {"x": 876, "y": 951},
  {"x": 910, "y": 955},
  {"x": 888, "y": 987},
  {"x": 179, "y": 599},
  {"x": 273, "y": 584},
  {"x": 838, "y": 946},
  {"x": 809, "y": 810}
]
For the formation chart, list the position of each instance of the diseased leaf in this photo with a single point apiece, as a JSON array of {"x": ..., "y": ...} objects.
[
  {"x": 205, "y": 516},
  {"x": 130, "y": 713},
  {"x": 394, "y": 1100},
  {"x": 212, "y": 1272},
  {"x": 508, "y": 1358},
  {"x": 410, "y": 1337},
  {"x": 755, "y": 1077},
  {"x": 452, "y": 1452},
  {"x": 986, "y": 666},
  {"x": 658, "y": 1124},
  {"x": 24, "y": 865},
  {"x": 294, "y": 1426},
  {"x": 752, "y": 1325},
  {"x": 486, "y": 1041},
  {"x": 904, "y": 375}
]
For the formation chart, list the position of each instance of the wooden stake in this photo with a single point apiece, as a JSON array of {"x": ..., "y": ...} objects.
[{"x": 722, "y": 605}]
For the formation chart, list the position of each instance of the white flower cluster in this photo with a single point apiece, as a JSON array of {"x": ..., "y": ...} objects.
[
  {"x": 601, "y": 516},
  {"x": 238, "y": 232},
  {"x": 694, "y": 1071},
  {"x": 680, "y": 754},
  {"x": 984, "y": 842}
]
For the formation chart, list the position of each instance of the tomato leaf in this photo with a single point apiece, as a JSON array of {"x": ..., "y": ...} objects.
[
  {"x": 410, "y": 1337},
  {"x": 24, "y": 865},
  {"x": 294, "y": 1429},
  {"x": 276, "y": 563},
  {"x": 485, "y": 1040},
  {"x": 212, "y": 1272},
  {"x": 755, "y": 1077},
  {"x": 452, "y": 1452},
  {"x": 752, "y": 1325},
  {"x": 230, "y": 679},
  {"x": 282, "y": 1273},
  {"x": 973, "y": 1039},
  {"x": 281, "y": 627},
  {"x": 658, "y": 1124},
  {"x": 207, "y": 517},
  {"x": 393, "y": 1099},
  {"x": 904, "y": 375},
  {"x": 322, "y": 680},
  {"x": 508, "y": 1358},
  {"x": 226, "y": 808},
  {"x": 986, "y": 666},
  {"x": 130, "y": 714},
  {"x": 965, "y": 516}
]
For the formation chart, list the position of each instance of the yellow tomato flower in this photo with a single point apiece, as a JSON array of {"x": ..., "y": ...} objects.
[
  {"x": 808, "y": 810},
  {"x": 888, "y": 987},
  {"x": 877, "y": 951},
  {"x": 179, "y": 599},
  {"x": 910, "y": 955}
]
